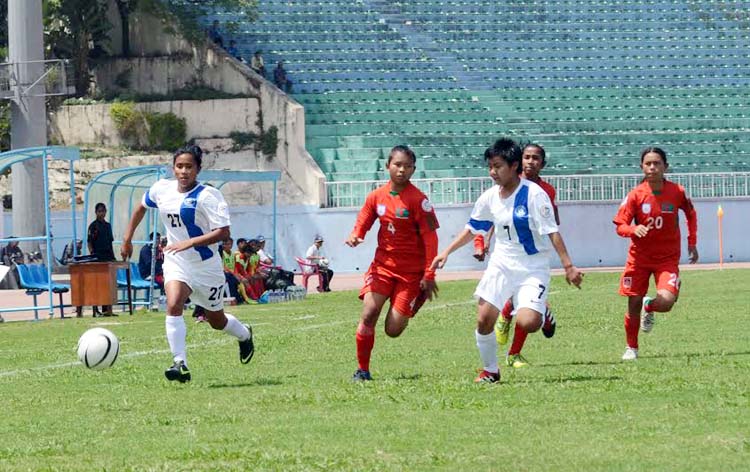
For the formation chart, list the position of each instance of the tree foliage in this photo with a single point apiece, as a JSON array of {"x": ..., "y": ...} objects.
[{"x": 76, "y": 30}]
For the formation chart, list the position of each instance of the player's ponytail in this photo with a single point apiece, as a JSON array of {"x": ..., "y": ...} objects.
[{"x": 193, "y": 150}]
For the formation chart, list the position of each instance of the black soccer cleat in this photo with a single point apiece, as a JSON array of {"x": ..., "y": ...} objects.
[
  {"x": 179, "y": 372},
  {"x": 548, "y": 330},
  {"x": 247, "y": 347},
  {"x": 361, "y": 375}
]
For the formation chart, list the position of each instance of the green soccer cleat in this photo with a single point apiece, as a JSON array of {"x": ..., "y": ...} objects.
[
  {"x": 502, "y": 330},
  {"x": 647, "y": 317},
  {"x": 517, "y": 361}
]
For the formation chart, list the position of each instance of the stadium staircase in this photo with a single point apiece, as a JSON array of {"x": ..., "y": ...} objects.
[{"x": 594, "y": 81}]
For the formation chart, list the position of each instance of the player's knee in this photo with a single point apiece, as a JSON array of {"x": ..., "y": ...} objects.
[
  {"x": 393, "y": 331},
  {"x": 529, "y": 320}
]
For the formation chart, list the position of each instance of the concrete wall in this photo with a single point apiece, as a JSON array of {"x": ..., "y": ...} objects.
[
  {"x": 75, "y": 125},
  {"x": 166, "y": 62},
  {"x": 587, "y": 229}
]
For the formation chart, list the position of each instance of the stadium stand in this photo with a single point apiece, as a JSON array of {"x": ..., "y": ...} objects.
[{"x": 594, "y": 81}]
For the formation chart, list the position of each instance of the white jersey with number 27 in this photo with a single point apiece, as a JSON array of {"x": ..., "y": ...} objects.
[{"x": 188, "y": 215}]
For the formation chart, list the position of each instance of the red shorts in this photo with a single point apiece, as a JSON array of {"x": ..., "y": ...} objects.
[
  {"x": 635, "y": 278},
  {"x": 402, "y": 289}
]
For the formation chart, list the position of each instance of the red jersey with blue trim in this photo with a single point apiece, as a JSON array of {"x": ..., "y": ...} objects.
[
  {"x": 657, "y": 211},
  {"x": 407, "y": 241}
]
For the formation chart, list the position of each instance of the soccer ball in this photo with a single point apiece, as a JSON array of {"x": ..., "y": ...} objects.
[{"x": 98, "y": 348}]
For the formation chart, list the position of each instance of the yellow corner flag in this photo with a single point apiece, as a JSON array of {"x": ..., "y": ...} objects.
[{"x": 720, "y": 212}]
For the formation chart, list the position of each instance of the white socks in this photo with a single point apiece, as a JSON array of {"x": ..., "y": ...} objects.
[
  {"x": 487, "y": 344},
  {"x": 235, "y": 328},
  {"x": 176, "y": 336}
]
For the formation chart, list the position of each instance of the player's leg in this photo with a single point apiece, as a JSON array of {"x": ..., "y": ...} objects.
[
  {"x": 208, "y": 292},
  {"x": 502, "y": 328},
  {"x": 493, "y": 290},
  {"x": 667, "y": 289},
  {"x": 404, "y": 295},
  {"x": 365, "y": 338},
  {"x": 374, "y": 294},
  {"x": 634, "y": 285},
  {"x": 531, "y": 303},
  {"x": 177, "y": 292}
]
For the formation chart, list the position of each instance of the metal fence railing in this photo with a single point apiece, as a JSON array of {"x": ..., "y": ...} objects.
[{"x": 570, "y": 188}]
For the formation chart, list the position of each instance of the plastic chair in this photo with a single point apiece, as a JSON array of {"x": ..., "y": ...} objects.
[
  {"x": 306, "y": 272},
  {"x": 34, "y": 278}
]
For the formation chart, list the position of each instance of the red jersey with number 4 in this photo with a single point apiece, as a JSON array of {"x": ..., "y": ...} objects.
[
  {"x": 657, "y": 211},
  {"x": 407, "y": 241}
]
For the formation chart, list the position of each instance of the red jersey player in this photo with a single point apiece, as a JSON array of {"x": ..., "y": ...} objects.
[
  {"x": 533, "y": 161},
  {"x": 407, "y": 243},
  {"x": 654, "y": 245}
]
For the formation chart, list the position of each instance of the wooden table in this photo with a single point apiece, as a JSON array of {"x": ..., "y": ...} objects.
[{"x": 95, "y": 283}]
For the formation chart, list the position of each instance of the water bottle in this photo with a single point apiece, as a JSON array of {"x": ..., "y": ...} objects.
[{"x": 162, "y": 303}]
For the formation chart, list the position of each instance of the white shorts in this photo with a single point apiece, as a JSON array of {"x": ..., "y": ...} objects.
[
  {"x": 528, "y": 288},
  {"x": 206, "y": 280}
]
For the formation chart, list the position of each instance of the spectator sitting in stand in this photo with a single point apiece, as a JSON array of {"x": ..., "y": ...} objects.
[
  {"x": 144, "y": 260},
  {"x": 258, "y": 64},
  {"x": 214, "y": 34},
  {"x": 233, "y": 51},
  {"x": 236, "y": 289},
  {"x": 315, "y": 256},
  {"x": 11, "y": 254},
  {"x": 262, "y": 255},
  {"x": 280, "y": 78}
]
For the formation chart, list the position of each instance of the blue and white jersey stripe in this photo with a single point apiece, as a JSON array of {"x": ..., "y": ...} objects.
[
  {"x": 522, "y": 223},
  {"x": 188, "y": 215}
]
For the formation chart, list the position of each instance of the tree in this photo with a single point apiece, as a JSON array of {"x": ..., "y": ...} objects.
[
  {"x": 76, "y": 30},
  {"x": 188, "y": 13}
]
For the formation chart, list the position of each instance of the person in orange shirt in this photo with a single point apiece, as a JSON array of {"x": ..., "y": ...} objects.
[
  {"x": 533, "y": 160},
  {"x": 407, "y": 243},
  {"x": 648, "y": 216}
]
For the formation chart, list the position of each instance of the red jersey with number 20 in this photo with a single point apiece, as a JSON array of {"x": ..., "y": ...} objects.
[
  {"x": 657, "y": 211},
  {"x": 407, "y": 241}
]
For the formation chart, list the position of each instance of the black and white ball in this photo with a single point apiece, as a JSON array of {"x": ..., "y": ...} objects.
[{"x": 98, "y": 348}]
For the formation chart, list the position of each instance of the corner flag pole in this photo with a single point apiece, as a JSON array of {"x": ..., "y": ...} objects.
[{"x": 720, "y": 215}]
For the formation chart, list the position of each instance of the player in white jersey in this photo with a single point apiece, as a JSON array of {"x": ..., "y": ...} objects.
[
  {"x": 525, "y": 234},
  {"x": 196, "y": 218}
]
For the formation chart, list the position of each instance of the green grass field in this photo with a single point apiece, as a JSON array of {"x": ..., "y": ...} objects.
[{"x": 684, "y": 405}]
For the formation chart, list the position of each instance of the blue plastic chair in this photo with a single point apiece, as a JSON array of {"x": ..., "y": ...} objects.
[{"x": 34, "y": 278}]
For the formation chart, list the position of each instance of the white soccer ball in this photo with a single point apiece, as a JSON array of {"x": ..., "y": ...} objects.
[{"x": 98, "y": 348}]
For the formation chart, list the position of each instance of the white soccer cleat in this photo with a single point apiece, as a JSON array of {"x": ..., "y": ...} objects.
[
  {"x": 630, "y": 354},
  {"x": 647, "y": 317}
]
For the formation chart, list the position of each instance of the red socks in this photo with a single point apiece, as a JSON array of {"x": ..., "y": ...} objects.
[
  {"x": 365, "y": 342},
  {"x": 632, "y": 325},
  {"x": 507, "y": 310},
  {"x": 519, "y": 338}
]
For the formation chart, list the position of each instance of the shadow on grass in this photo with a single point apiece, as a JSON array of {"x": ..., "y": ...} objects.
[
  {"x": 580, "y": 378},
  {"x": 407, "y": 377},
  {"x": 256, "y": 383}
]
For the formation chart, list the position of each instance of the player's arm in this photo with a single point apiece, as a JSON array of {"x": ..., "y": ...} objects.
[
  {"x": 692, "y": 225},
  {"x": 572, "y": 274},
  {"x": 126, "y": 248},
  {"x": 365, "y": 220},
  {"x": 624, "y": 218},
  {"x": 463, "y": 238}
]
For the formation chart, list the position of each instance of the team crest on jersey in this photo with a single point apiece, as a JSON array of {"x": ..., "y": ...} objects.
[
  {"x": 402, "y": 213},
  {"x": 381, "y": 209},
  {"x": 189, "y": 202},
  {"x": 646, "y": 208},
  {"x": 520, "y": 211},
  {"x": 426, "y": 206},
  {"x": 627, "y": 282},
  {"x": 667, "y": 208},
  {"x": 546, "y": 211}
]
